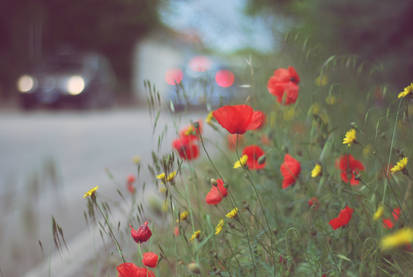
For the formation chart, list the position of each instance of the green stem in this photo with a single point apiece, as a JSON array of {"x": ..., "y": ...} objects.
[
  {"x": 111, "y": 232},
  {"x": 391, "y": 148}
]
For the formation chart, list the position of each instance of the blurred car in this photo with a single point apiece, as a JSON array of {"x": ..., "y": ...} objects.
[
  {"x": 200, "y": 82},
  {"x": 83, "y": 80}
]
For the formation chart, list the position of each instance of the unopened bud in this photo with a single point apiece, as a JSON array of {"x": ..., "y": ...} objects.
[
  {"x": 261, "y": 160},
  {"x": 194, "y": 268},
  {"x": 213, "y": 182},
  {"x": 196, "y": 125}
]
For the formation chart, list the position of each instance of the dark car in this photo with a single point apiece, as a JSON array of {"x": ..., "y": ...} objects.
[
  {"x": 82, "y": 80},
  {"x": 201, "y": 82}
]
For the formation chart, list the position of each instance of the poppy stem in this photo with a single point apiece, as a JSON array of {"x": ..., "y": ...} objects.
[
  {"x": 261, "y": 205},
  {"x": 112, "y": 235},
  {"x": 393, "y": 138}
]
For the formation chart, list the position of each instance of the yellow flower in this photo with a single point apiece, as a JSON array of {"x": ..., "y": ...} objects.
[
  {"x": 331, "y": 100},
  {"x": 90, "y": 192},
  {"x": 163, "y": 177},
  {"x": 136, "y": 159},
  {"x": 195, "y": 235},
  {"x": 315, "y": 109},
  {"x": 241, "y": 162},
  {"x": 407, "y": 90},
  {"x": 219, "y": 227},
  {"x": 171, "y": 176},
  {"x": 378, "y": 213},
  {"x": 367, "y": 150},
  {"x": 401, "y": 237},
  {"x": 209, "y": 118},
  {"x": 350, "y": 137},
  {"x": 400, "y": 165},
  {"x": 321, "y": 80},
  {"x": 183, "y": 215},
  {"x": 190, "y": 131},
  {"x": 233, "y": 213},
  {"x": 316, "y": 170}
]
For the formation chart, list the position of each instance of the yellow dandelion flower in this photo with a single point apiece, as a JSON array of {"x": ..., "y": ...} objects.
[
  {"x": 136, "y": 159},
  {"x": 209, "y": 118},
  {"x": 407, "y": 90},
  {"x": 233, "y": 213},
  {"x": 171, "y": 176},
  {"x": 330, "y": 100},
  {"x": 321, "y": 80},
  {"x": 90, "y": 192},
  {"x": 401, "y": 237},
  {"x": 183, "y": 215},
  {"x": 350, "y": 137},
  {"x": 316, "y": 170},
  {"x": 400, "y": 165},
  {"x": 378, "y": 213},
  {"x": 195, "y": 235},
  {"x": 161, "y": 176},
  {"x": 241, "y": 162},
  {"x": 219, "y": 227}
]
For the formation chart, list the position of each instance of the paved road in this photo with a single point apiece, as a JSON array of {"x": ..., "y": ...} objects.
[{"x": 48, "y": 160}]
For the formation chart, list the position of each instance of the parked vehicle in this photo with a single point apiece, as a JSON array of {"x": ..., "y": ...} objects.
[
  {"x": 200, "y": 82},
  {"x": 82, "y": 80}
]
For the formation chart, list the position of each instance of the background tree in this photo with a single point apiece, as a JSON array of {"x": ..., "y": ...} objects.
[{"x": 379, "y": 32}]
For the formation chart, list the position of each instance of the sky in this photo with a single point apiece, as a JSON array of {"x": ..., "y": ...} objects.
[{"x": 221, "y": 24}]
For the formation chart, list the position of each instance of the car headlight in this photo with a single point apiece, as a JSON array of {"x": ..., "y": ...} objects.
[
  {"x": 75, "y": 85},
  {"x": 25, "y": 83}
]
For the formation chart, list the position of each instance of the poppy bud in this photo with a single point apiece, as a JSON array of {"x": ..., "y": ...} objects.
[
  {"x": 261, "y": 160},
  {"x": 142, "y": 234},
  {"x": 196, "y": 125},
  {"x": 194, "y": 268},
  {"x": 150, "y": 259},
  {"x": 213, "y": 182}
]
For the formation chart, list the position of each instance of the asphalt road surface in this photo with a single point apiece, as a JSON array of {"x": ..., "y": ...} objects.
[{"x": 49, "y": 159}]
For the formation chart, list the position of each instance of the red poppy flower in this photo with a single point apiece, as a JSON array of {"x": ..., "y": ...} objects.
[
  {"x": 131, "y": 270},
  {"x": 232, "y": 141},
  {"x": 342, "y": 219},
  {"x": 129, "y": 183},
  {"x": 313, "y": 201},
  {"x": 290, "y": 169},
  {"x": 150, "y": 259},
  {"x": 254, "y": 152},
  {"x": 191, "y": 131},
  {"x": 200, "y": 64},
  {"x": 396, "y": 214},
  {"x": 142, "y": 234},
  {"x": 224, "y": 78},
  {"x": 216, "y": 193},
  {"x": 349, "y": 166},
  {"x": 174, "y": 76},
  {"x": 284, "y": 85},
  {"x": 238, "y": 119},
  {"x": 387, "y": 223},
  {"x": 176, "y": 231},
  {"x": 186, "y": 147}
]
